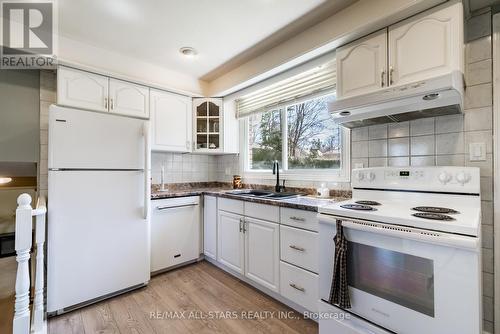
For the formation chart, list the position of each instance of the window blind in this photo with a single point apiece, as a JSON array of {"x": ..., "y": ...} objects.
[{"x": 309, "y": 84}]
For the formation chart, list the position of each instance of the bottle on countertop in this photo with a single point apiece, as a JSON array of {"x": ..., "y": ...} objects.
[{"x": 323, "y": 191}]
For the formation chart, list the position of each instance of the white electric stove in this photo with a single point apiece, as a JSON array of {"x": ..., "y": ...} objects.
[{"x": 414, "y": 260}]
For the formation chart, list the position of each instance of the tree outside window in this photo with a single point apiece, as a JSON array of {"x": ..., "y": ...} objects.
[{"x": 313, "y": 140}]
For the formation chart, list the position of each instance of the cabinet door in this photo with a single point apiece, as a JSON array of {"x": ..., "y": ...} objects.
[
  {"x": 362, "y": 65},
  {"x": 82, "y": 89},
  {"x": 170, "y": 122},
  {"x": 210, "y": 226},
  {"x": 230, "y": 241},
  {"x": 175, "y": 232},
  {"x": 426, "y": 45},
  {"x": 208, "y": 127},
  {"x": 262, "y": 252},
  {"x": 129, "y": 99}
]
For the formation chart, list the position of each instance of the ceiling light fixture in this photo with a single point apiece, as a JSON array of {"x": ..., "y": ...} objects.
[
  {"x": 188, "y": 51},
  {"x": 5, "y": 180}
]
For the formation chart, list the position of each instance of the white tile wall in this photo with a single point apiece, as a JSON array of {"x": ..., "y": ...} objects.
[{"x": 183, "y": 167}]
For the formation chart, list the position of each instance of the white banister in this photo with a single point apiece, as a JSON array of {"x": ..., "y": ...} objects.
[
  {"x": 21, "y": 324},
  {"x": 38, "y": 323},
  {"x": 24, "y": 227}
]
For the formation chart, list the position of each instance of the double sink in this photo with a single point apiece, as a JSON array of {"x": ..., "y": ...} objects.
[{"x": 264, "y": 194}]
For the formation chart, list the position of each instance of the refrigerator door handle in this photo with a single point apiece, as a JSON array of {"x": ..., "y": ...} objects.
[{"x": 147, "y": 187}]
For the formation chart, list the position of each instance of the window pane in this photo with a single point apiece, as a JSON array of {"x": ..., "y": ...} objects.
[
  {"x": 264, "y": 140},
  {"x": 313, "y": 137}
]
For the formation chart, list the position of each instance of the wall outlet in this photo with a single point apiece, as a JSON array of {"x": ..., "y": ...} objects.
[
  {"x": 477, "y": 151},
  {"x": 228, "y": 170},
  {"x": 359, "y": 165}
]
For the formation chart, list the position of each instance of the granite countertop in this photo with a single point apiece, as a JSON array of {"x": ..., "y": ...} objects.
[{"x": 307, "y": 202}]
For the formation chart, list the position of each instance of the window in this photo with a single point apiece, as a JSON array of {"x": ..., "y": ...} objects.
[{"x": 302, "y": 137}]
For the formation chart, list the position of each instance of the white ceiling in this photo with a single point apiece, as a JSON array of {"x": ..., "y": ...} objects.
[{"x": 154, "y": 30}]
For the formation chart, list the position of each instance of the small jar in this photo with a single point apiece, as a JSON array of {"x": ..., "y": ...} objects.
[{"x": 237, "y": 182}]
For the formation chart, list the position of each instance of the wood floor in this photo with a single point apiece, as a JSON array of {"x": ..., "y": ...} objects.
[{"x": 197, "y": 299}]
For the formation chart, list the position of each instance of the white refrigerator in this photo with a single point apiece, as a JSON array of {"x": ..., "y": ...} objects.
[{"x": 98, "y": 201}]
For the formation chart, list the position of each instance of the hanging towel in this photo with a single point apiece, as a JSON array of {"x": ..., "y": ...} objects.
[{"x": 339, "y": 292}]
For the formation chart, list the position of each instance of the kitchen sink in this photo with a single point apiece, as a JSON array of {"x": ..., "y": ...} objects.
[{"x": 263, "y": 194}]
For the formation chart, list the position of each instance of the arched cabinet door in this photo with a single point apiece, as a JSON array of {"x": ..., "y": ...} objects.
[
  {"x": 362, "y": 65},
  {"x": 129, "y": 99},
  {"x": 427, "y": 45},
  {"x": 82, "y": 89}
]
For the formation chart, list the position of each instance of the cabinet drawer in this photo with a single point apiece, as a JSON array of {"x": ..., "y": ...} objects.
[
  {"x": 299, "y": 218},
  {"x": 299, "y": 247},
  {"x": 299, "y": 286},
  {"x": 262, "y": 211},
  {"x": 230, "y": 205}
]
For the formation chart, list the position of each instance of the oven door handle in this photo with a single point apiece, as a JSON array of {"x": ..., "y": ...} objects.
[{"x": 438, "y": 238}]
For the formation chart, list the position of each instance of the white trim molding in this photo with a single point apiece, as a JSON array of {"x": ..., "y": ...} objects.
[{"x": 496, "y": 165}]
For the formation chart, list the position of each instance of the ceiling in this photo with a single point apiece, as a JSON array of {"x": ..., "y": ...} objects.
[{"x": 226, "y": 33}]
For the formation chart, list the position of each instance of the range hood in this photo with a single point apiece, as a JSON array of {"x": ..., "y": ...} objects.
[{"x": 442, "y": 95}]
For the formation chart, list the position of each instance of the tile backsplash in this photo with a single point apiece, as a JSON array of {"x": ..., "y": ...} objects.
[{"x": 186, "y": 167}]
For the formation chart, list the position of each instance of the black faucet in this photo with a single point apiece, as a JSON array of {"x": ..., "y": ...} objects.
[{"x": 276, "y": 171}]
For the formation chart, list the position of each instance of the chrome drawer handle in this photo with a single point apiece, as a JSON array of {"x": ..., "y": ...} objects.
[
  {"x": 299, "y": 219},
  {"x": 293, "y": 285},
  {"x": 297, "y": 248},
  {"x": 174, "y": 206}
]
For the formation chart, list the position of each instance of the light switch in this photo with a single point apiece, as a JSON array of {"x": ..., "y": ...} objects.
[
  {"x": 477, "y": 151},
  {"x": 359, "y": 165}
]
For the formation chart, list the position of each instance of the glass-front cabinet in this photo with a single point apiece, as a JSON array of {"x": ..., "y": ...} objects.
[{"x": 207, "y": 125}]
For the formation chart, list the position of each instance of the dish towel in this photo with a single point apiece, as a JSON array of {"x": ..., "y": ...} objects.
[{"x": 339, "y": 292}]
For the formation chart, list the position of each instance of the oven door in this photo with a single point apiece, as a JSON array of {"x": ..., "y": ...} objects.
[{"x": 407, "y": 280}]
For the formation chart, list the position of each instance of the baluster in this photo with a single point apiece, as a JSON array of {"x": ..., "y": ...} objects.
[
  {"x": 38, "y": 305},
  {"x": 21, "y": 324}
]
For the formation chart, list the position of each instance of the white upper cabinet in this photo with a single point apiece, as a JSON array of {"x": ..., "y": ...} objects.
[
  {"x": 170, "y": 122},
  {"x": 82, "y": 89},
  {"x": 421, "y": 47},
  {"x": 129, "y": 99},
  {"x": 207, "y": 125},
  {"x": 362, "y": 65},
  {"x": 427, "y": 45}
]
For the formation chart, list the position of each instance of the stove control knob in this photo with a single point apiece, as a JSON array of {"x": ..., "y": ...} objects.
[
  {"x": 360, "y": 176},
  {"x": 463, "y": 177},
  {"x": 370, "y": 176},
  {"x": 444, "y": 177}
]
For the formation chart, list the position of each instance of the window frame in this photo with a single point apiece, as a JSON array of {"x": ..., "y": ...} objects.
[{"x": 341, "y": 174}]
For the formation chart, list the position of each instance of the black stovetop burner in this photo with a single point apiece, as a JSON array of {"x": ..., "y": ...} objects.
[
  {"x": 364, "y": 202},
  {"x": 360, "y": 207},
  {"x": 434, "y": 209},
  {"x": 432, "y": 216}
]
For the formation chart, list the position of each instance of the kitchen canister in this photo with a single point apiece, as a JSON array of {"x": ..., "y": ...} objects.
[{"x": 237, "y": 182}]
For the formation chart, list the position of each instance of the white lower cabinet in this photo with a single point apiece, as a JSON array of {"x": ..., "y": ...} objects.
[
  {"x": 175, "y": 231},
  {"x": 299, "y": 285},
  {"x": 210, "y": 226},
  {"x": 230, "y": 241},
  {"x": 262, "y": 252},
  {"x": 253, "y": 245},
  {"x": 299, "y": 247}
]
